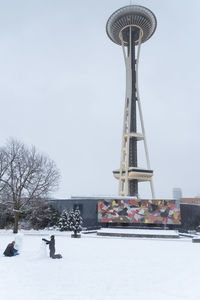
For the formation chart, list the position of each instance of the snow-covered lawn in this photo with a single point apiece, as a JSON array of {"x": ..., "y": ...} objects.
[{"x": 100, "y": 268}]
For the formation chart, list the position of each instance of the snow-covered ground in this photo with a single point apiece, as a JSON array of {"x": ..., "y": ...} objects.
[{"x": 101, "y": 268}]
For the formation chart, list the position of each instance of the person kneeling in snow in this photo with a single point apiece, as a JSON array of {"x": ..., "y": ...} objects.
[
  {"x": 10, "y": 250},
  {"x": 51, "y": 244}
]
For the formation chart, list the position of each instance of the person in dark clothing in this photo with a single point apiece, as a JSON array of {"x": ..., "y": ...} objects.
[
  {"x": 52, "y": 249},
  {"x": 10, "y": 250},
  {"x": 51, "y": 244}
]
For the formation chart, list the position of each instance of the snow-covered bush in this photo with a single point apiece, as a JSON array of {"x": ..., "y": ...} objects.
[
  {"x": 62, "y": 222},
  {"x": 74, "y": 221}
]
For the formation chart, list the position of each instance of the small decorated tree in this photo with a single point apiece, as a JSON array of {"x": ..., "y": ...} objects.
[
  {"x": 63, "y": 221},
  {"x": 74, "y": 222}
]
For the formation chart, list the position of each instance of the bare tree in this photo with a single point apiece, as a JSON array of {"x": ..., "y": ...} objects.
[{"x": 25, "y": 175}]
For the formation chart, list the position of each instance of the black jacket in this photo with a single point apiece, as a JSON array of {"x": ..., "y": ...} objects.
[
  {"x": 10, "y": 250},
  {"x": 51, "y": 244}
]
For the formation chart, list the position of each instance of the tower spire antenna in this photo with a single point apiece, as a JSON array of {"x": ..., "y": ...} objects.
[{"x": 130, "y": 26}]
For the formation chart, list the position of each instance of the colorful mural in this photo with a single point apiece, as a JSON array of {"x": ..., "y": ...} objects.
[{"x": 139, "y": 211}]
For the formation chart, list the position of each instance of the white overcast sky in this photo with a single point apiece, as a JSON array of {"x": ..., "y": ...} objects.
[{"x": 62, "y": 88}]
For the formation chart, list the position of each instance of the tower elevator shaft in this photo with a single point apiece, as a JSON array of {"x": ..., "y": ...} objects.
[{"x": 133, "y": 184}]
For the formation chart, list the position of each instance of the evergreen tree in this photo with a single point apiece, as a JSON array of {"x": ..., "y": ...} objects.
[
  {"x": 6, "y": 216},
  {"x": 54, "y": 216},
  {"x": 74, "y": 221},
  {"x": 40, "y": 215},
  {"x": 63, "y": 223}
]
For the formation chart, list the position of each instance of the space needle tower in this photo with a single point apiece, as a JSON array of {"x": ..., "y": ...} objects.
[{"x": 129, "y": 27}]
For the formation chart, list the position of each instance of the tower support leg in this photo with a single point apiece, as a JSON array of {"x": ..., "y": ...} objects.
[{"x": 129, "y": 174}]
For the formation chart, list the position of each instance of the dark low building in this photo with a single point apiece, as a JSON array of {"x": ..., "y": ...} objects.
[
  {"x": 190, "y": 216},
  {"x": 88, "y": 206}
]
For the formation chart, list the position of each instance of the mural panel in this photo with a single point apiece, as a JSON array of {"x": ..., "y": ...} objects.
[{"x": 139, "y": 211}]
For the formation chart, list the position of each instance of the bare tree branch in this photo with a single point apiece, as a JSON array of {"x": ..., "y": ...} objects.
[{"x": 25, "y": 175}]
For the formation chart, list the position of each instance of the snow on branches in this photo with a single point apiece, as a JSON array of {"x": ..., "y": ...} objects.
[
  {"x": 25, "y": 175},
  {"x": 71, "y": 221},
  {"x": 62, "y": 222}
]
